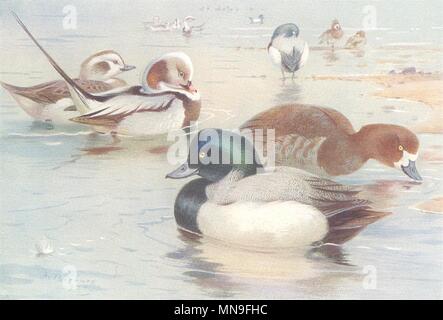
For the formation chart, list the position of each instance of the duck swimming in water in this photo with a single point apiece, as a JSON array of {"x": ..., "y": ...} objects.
[
  {"x": 323, "y": 141},
  {"x": 232, "y": 202},
  {"x": 51, "y": 101},
  {"x": 165, "y": 101}
]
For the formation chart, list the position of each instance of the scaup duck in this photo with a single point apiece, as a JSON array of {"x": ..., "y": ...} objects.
[
  {"x": 51, "y": 101},
  {"x": 288, "y": 207},
  {"x": 165, "y": 101},
  {"x": 323, "y": 141}
]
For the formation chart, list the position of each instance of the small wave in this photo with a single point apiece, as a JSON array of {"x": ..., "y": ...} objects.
[
  {"x": 56, "y": 143},
  {"x": 393, "y": 248},
  {"x": 250, "y": 28},
  {"x": 57, "y": 134},
  {"x": 238, "y": 36},
  {"x": 408, "y": 44}
]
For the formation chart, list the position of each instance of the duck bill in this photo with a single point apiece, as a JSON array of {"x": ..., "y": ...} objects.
[
  {"x": 411, "y": 171},
  {"x": 127, "y": 67},
  {"x": 189, "y": 87},
  {"x": 181, "y": 172}
]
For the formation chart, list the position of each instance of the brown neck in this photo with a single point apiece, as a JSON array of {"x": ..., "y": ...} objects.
[
  {"x": 192, "y": 111},
  {"x": 367, "y": 141},
  {"x": 341, "y": 154}
]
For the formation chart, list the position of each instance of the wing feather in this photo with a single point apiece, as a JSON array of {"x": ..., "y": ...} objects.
[{"x": 116, "y": 108}]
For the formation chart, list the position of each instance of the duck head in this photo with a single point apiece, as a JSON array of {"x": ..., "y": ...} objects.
[
  {"x": 335, "y": 25},
  {"x": 287, "y": 30},
  {"x": 284, "y": 33},
  {"x": 103, "y": 65},
  {"x": 214, "y": 153},
  {"x": 392, "y": 145},
  {"x": 171, "y": 72},
  {"x": 361, "y": 34}
]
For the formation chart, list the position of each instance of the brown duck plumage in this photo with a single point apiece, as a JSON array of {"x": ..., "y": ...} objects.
[{"x": 323, "y": 141}]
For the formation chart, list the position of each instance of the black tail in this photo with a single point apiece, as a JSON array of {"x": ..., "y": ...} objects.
[{"x": 347, "y": 224}]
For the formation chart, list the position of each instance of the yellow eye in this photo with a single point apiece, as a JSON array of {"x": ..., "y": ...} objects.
[
  {"x": 400, "y": 147},
  {"x": 202, "y": 155}
]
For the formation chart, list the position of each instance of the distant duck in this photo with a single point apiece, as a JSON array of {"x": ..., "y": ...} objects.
[
  {"x": 356, "y": 41},
  {"x": 332, "y": 35},
  {"x": 164, "y": 27},
  {"x": 285, "y": 208},
  {"x": 258, "y": 20},
  {"x": 188, "y": 28},
  {"x": 166, "y": 99},
  {"x": 176, "y": 24},
  {"x": 287, "y": 50},
  {"x": 323, "y": 141},
  {"x": 51, "y": 101}
]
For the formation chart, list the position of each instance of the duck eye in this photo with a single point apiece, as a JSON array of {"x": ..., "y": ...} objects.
[
  {"x": 400, "y": 147},
  {"x": 202, "y": 155},
  {"x": 181, "y": 74}
]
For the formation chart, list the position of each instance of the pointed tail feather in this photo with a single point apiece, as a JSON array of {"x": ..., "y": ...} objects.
[
  {"x": 79, "y": 96},
  {"x": 10, "y": 87}
]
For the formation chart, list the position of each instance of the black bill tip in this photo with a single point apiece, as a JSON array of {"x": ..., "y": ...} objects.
[
  {"x": 127, "y": 67},
  {"x": 181, "y": 172},
  {"x": 411, "y": 171}
]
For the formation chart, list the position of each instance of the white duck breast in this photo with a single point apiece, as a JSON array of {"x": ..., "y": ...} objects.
[
  {"x": 277, "y": 224},
  {"x": 289, "y": 53}
]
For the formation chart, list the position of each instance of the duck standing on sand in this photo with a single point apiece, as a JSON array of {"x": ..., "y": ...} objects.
[
  {"x": 51, "y": 101},
  {"x": 323, "y": 141},
  {"x": 285, "y": 208},
  {"x": 332, "y": 35},
  {"x": 356, "y": 41},
  {"x": 258, "y": 20},
  {"x": 287, "y": 50},
  {"x": 165, "y": 101}
]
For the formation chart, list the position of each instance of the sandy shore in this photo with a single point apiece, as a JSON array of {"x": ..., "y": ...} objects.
[
  {"x": 420, "y": 87},
  {"x": 434, "y": 205}
]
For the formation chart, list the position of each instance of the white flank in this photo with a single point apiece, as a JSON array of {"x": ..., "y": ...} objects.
[
  {"x": 153, "y": 123},
  {"x": 275, "y": 56},
  {"x": 278, "y": 224},
  {"x": 305, "y": 55}
]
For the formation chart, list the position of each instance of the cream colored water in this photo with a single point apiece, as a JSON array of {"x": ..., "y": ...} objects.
[{"x": 105, "y": 209}]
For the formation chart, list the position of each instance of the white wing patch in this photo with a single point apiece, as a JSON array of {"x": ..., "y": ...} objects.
[{"x": 123, "y": 105}]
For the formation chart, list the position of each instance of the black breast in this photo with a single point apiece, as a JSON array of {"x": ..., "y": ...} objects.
[{"x": 188, "y": 202}]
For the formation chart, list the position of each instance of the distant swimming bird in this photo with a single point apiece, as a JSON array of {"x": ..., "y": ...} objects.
[
  {"x": 165, "y": 101},
  {"x": 281, "y": 209},
  {"x": 332, "y": 35},
  {"x": 51, "y": 101},
  {"x": 323, "y": 141},
  {"x": 188, "y": 28},
  {"x": 176, "y": 24},
  {"x": 161, "y": 27},
  {"x": 287, "y": 50},
  {"x": 258, "y": 20},
  {"x": 356, "y": 41}
]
